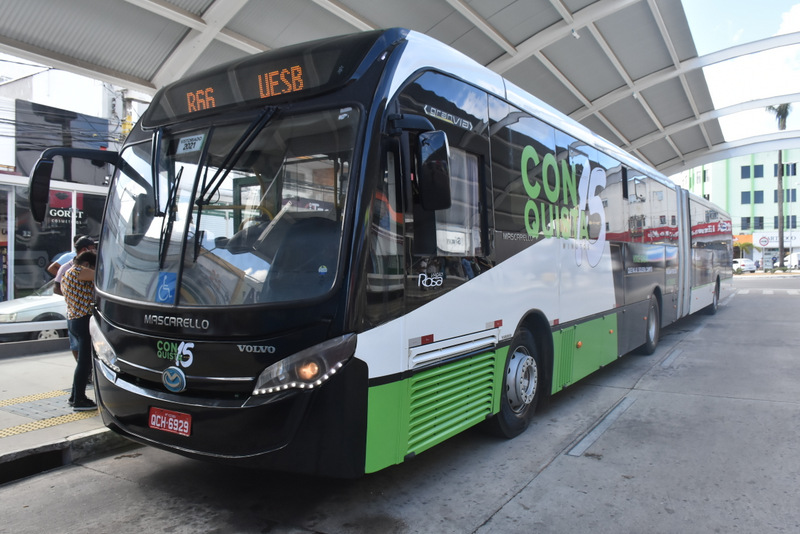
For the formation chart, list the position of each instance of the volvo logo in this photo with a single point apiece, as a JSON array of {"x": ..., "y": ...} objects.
[
  {"x": 174, "y": 379},
  {"x": 268, "y": 349}
]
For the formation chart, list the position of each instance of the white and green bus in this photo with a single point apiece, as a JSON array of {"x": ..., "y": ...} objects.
[{"x": 331, "y": 257}]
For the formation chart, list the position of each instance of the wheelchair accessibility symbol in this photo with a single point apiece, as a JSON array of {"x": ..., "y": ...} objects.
[{"x": 165, "y": 289}]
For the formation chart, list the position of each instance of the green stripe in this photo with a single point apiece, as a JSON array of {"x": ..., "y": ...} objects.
[
  {"x": 412, "y": 415},
  {"x": 581, "y": 349}
]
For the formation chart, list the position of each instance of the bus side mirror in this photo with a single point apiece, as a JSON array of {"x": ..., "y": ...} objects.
[
  {"x": 39, "y": 188},
  {"x": 39, "y": 185},
  {"x": 434, "y": 171}
]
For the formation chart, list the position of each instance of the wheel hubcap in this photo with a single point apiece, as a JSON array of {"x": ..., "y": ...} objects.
[
  {"x": 48, "y": 334},
  {"x": 521, "y": 379},
  {"x": 651, "y": 325}
]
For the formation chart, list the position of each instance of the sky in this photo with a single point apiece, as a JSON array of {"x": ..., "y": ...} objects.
[
  {"x": 62, "y": 90},
  {"x": 721, "y": 24}
]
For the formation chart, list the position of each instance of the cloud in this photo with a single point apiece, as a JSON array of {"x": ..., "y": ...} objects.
[
  {"x": 790, "y": 21},
  {"x": 760, "y": 75}
]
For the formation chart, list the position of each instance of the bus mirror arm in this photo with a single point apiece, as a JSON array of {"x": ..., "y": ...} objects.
[
  {"x": 400, "y": 123},
  {"x": 39, "y": 185}
]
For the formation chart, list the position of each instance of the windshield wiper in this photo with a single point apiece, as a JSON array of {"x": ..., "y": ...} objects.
[
  {"x": 210, "y": 187},
  {"x": 169, "y": 219}
]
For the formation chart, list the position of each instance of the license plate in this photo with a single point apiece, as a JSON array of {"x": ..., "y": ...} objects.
[{"x": 169, "y": 421}]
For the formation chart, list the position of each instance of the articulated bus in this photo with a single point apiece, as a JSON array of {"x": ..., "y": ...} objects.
[{"x": 331, "y": 257}]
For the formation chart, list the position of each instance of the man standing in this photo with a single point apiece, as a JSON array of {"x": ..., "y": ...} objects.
[
  {"x": 78, "y": 288},
  {"x": 82, "y": 244}
]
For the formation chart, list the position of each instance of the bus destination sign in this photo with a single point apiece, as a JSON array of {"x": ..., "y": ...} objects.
[
  {"x": 269, "y": 84},
  {"x": 306, "y": 69}
]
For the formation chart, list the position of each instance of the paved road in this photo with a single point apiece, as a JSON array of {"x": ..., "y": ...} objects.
[{"x": 702, "y": 436}]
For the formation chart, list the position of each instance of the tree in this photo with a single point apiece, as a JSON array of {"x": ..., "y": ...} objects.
[{"x": 781, "y": 113}]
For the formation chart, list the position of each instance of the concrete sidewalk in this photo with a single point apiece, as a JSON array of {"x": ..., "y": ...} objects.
[{"x": 38, "y": 429}]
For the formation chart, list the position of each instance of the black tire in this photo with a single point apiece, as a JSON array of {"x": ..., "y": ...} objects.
[
  {"x": 521, "y": 388},
  {"x": 653, "y": 328},
  {"x": 712, "y": 308}
]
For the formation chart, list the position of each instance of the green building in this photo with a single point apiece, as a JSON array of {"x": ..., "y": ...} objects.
[{"x": 747, "y": 188}]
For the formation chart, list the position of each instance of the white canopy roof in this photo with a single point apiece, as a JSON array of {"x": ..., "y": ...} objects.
[{"x": 627, "y": 69}]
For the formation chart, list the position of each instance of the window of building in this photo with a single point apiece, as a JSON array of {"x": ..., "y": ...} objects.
[
  {"x": 758, "y": 171},
  {"x": 789, "y": 169},
  {"x": 790, "y": 221},
  {"x": 758, "y": 197},
  {"x": 789, "y": 195},
  {"x": 745, "y": 223},
  {"x": 745, "y": 197},
  {"x": 745, "y": 171},
  {"x": 758, "y": 223}
]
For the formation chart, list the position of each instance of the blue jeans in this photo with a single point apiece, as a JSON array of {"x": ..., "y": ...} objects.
[{"x": 79, "y": 328}]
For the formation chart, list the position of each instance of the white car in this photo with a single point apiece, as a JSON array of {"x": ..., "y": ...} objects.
[
  {"x": 745, "y": 264},
  {"x": 42, "y": 305},
  {"x": 792, "y": 261}
]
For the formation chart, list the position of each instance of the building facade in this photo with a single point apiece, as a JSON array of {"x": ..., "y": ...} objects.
[
  {"x": 42, "y": 107},
  {"x": 747, "y": 188}
]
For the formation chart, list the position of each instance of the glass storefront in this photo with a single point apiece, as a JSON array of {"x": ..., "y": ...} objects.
[{"x": 29, "y": 247}]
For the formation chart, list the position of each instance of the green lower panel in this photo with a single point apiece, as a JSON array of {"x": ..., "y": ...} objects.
[
  {"x": 413, "y": 415},
  {"x": 582, "y": 349}
]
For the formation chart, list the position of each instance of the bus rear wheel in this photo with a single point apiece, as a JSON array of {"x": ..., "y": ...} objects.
[
  {"x": 712, "y": 308},
  {"x": 653, "y": 329},
  {"x": 522, "y": 382}
]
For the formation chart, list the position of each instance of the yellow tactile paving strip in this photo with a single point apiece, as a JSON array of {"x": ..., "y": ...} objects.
[
  {"x": 30, "y": 398},
  {"x": 42, "y": 423},
  {"x": 45, "y": 423}
]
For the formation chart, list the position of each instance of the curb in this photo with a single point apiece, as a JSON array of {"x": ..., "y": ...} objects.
[{"x": 24, "y": 463}]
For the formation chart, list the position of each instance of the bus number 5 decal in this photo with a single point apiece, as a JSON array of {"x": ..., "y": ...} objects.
[{"x": 185, "y": 357}]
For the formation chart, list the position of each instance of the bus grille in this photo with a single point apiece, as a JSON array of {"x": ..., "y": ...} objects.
[{"x": 449, "y": 399}]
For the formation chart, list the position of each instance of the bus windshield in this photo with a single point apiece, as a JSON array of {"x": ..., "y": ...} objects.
[{"x": 239, "y": 214}]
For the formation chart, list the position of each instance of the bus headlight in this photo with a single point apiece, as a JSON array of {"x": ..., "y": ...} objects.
[
  {"x": 308, "y": 368},
  {"x": 102, "y": 347}
]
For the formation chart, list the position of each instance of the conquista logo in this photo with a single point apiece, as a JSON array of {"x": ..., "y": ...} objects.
[{"x": 565, "y": 205}]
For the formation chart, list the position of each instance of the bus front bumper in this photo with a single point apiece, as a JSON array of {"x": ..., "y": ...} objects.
[{"x": 320, "y": 431}]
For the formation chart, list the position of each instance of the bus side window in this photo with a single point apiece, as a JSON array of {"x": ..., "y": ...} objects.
[{"x": 385, "y": 267}]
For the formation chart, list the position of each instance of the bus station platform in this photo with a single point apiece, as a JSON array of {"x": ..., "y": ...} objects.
[{"x": 38, "y": 429}]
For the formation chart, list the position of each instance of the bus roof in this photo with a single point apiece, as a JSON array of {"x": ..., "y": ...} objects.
[
  {"x": 424, "y": 51},
  {"x": 318, "y": 66}
]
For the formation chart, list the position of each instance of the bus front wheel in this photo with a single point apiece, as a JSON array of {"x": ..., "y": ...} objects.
[{"x": 522, "y": 382}]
